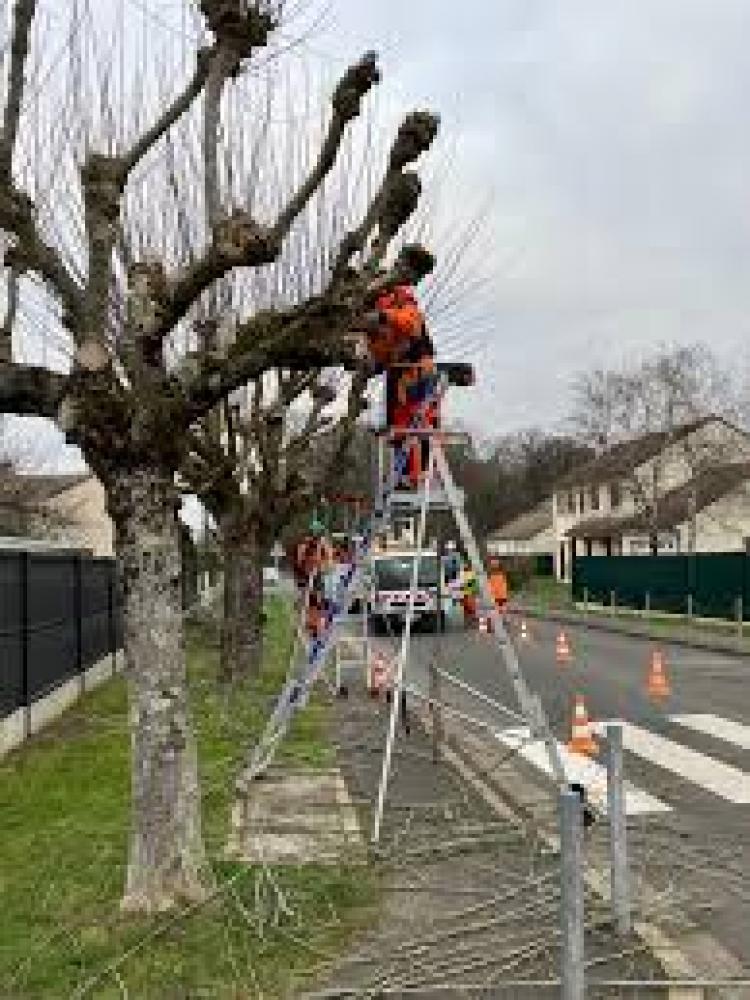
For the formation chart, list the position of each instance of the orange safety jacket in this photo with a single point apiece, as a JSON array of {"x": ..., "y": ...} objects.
[{"x": 498, "y": 586}]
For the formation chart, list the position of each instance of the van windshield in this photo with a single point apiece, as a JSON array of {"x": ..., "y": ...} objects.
[{"x": 396, "y": 572}]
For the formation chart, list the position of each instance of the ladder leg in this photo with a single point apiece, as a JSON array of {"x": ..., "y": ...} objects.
[
  {"x": 403, "y": 652},
  {"x": 530, "y": 705}
]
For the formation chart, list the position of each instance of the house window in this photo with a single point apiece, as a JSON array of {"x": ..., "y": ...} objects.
[
  {"x": 581, "y": 502},
  {"x": 571, "y": 502},
  {"x": 615, "y": 498},
  {"x": 562, "y": 503},
  {"x": 595, "y": 498}
]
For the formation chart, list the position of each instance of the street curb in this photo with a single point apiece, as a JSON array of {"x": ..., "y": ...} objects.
[
  {"x": 674, "y": 958},
  {"x": 567, "y": 618}
]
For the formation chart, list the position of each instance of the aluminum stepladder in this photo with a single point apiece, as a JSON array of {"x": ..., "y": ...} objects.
[
  {"x": 296, "y": 692},
  {"x": 448, "y": 495}
]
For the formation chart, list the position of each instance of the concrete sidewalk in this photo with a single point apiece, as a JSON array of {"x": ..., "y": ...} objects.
[{"x": 470, "y": 891}]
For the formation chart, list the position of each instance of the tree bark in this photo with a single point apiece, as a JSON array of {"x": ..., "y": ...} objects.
[
  {"x": 166, "y": 861},
  {"x": 242, "y": 626}
]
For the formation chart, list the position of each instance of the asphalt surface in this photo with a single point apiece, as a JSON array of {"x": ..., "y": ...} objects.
[{"x": 701, "y": 846}]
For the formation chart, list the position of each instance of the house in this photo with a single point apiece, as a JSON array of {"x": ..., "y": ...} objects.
[
  {"x": 62, "y": 509},
  {"x": 529, "y": 534},
  {"x": 671, "y": 491}
]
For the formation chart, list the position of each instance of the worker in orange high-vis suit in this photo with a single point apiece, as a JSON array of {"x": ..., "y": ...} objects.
[
  {"x": 401, "y": 345},
  {"x": 498, "y": 584}
]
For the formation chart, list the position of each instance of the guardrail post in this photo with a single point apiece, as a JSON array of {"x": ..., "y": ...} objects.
[
  {"x": 23, "y": 591},
  {"x": 690, "y": 609},
  {"x": 571, "y": 896},
  {"x": 585, "y": 600},
  {"x": 613, "y": 602},
  {"x": 617, "y": 831},
  {"x": 647, "y": 603}
]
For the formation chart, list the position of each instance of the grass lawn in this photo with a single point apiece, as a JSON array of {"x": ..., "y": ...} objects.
[
  {"x": 546, "y": 593},
  {"x": 64, "y": 802}
]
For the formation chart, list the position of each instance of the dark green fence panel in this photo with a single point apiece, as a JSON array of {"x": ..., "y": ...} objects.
[
  {"x": 717, "y": 580},
  {"x": 714, "y": 579},
  {"x": 544, "y": 565}
]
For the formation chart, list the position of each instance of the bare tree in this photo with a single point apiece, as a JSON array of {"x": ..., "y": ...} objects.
[
  {"x": 130, "y": 408},
  {"x": 659, "y": 397}
]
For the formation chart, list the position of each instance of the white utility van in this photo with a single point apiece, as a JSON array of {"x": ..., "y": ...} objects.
[{"x": 390, "y": 582}]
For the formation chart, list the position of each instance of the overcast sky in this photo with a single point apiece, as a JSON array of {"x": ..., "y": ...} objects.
[
  {"x": 607, "y": 146},
  {"x": 615, "y": 140}
]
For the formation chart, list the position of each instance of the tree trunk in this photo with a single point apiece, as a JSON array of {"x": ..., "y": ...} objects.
[
  {"x": 242, "y": 627},
  {"x": 166, "y": 861}
]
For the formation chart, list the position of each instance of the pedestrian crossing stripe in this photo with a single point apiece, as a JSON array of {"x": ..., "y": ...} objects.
[
  {"x": 589, "y": 773},
  {"x": 713, "y": 725},
  {"x": 712, "y": 775}
]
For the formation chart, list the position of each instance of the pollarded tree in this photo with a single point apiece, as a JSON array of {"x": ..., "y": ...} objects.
[
  {"x": 130, "y": 411},
  {"x": 270, "y": 467}
]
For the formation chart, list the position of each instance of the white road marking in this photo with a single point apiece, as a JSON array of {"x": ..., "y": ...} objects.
[
  {"x": 713, "y": 775},
  {"x": 589, "y": 773},
  {"x": 714, "y": 725}
]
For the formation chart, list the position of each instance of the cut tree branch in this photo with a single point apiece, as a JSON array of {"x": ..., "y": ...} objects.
[
  {"x": 6, "y": 330},
  {"x": 19, "y": 50},
  {"x": 347, "y": 99},
  {"x": 206, "y": 60},
  {"x": 29, "y": 390},
  {"x": 31, "y": 253},
  {"x": 399, "y": 191}
]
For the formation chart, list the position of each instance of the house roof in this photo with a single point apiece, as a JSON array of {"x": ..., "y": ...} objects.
[
  {"x": 525, "y": 525},
  {"x": 25, "y": 491},
  {"x": 673, "y": 508},
  {"x": 624, "y": 457}
]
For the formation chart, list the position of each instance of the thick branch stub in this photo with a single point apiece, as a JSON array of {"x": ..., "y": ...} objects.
[
  {"x": 400, "y": 200},
  {"x": 103, "y": 181},
  {"x": 415, "y": 136},
  {"x": 240, "y": 25},
  {"x": 355, "y": 84},
  {"x": 238, "y": 241}
]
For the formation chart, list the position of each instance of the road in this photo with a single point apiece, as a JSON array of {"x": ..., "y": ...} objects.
[{"x": 689, "y": 800}]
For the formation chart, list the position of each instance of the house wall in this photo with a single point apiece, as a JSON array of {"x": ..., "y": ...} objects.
[
  {"x": 83, "y": 506},
  {"x": 724, "y": 525},
  {"x": 715, "y": 443},
  {"x": 540, "y": 544}
]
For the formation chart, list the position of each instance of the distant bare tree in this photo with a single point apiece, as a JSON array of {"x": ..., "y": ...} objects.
[{"x": 673, "y": 387}]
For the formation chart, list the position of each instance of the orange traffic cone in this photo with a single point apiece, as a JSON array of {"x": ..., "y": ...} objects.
[
  {"x": 380, "y": 675},
  {"x": 562, "y": 648},
  {"x": 657, "y": 685},
  {"x": 581, "y": 736}
]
